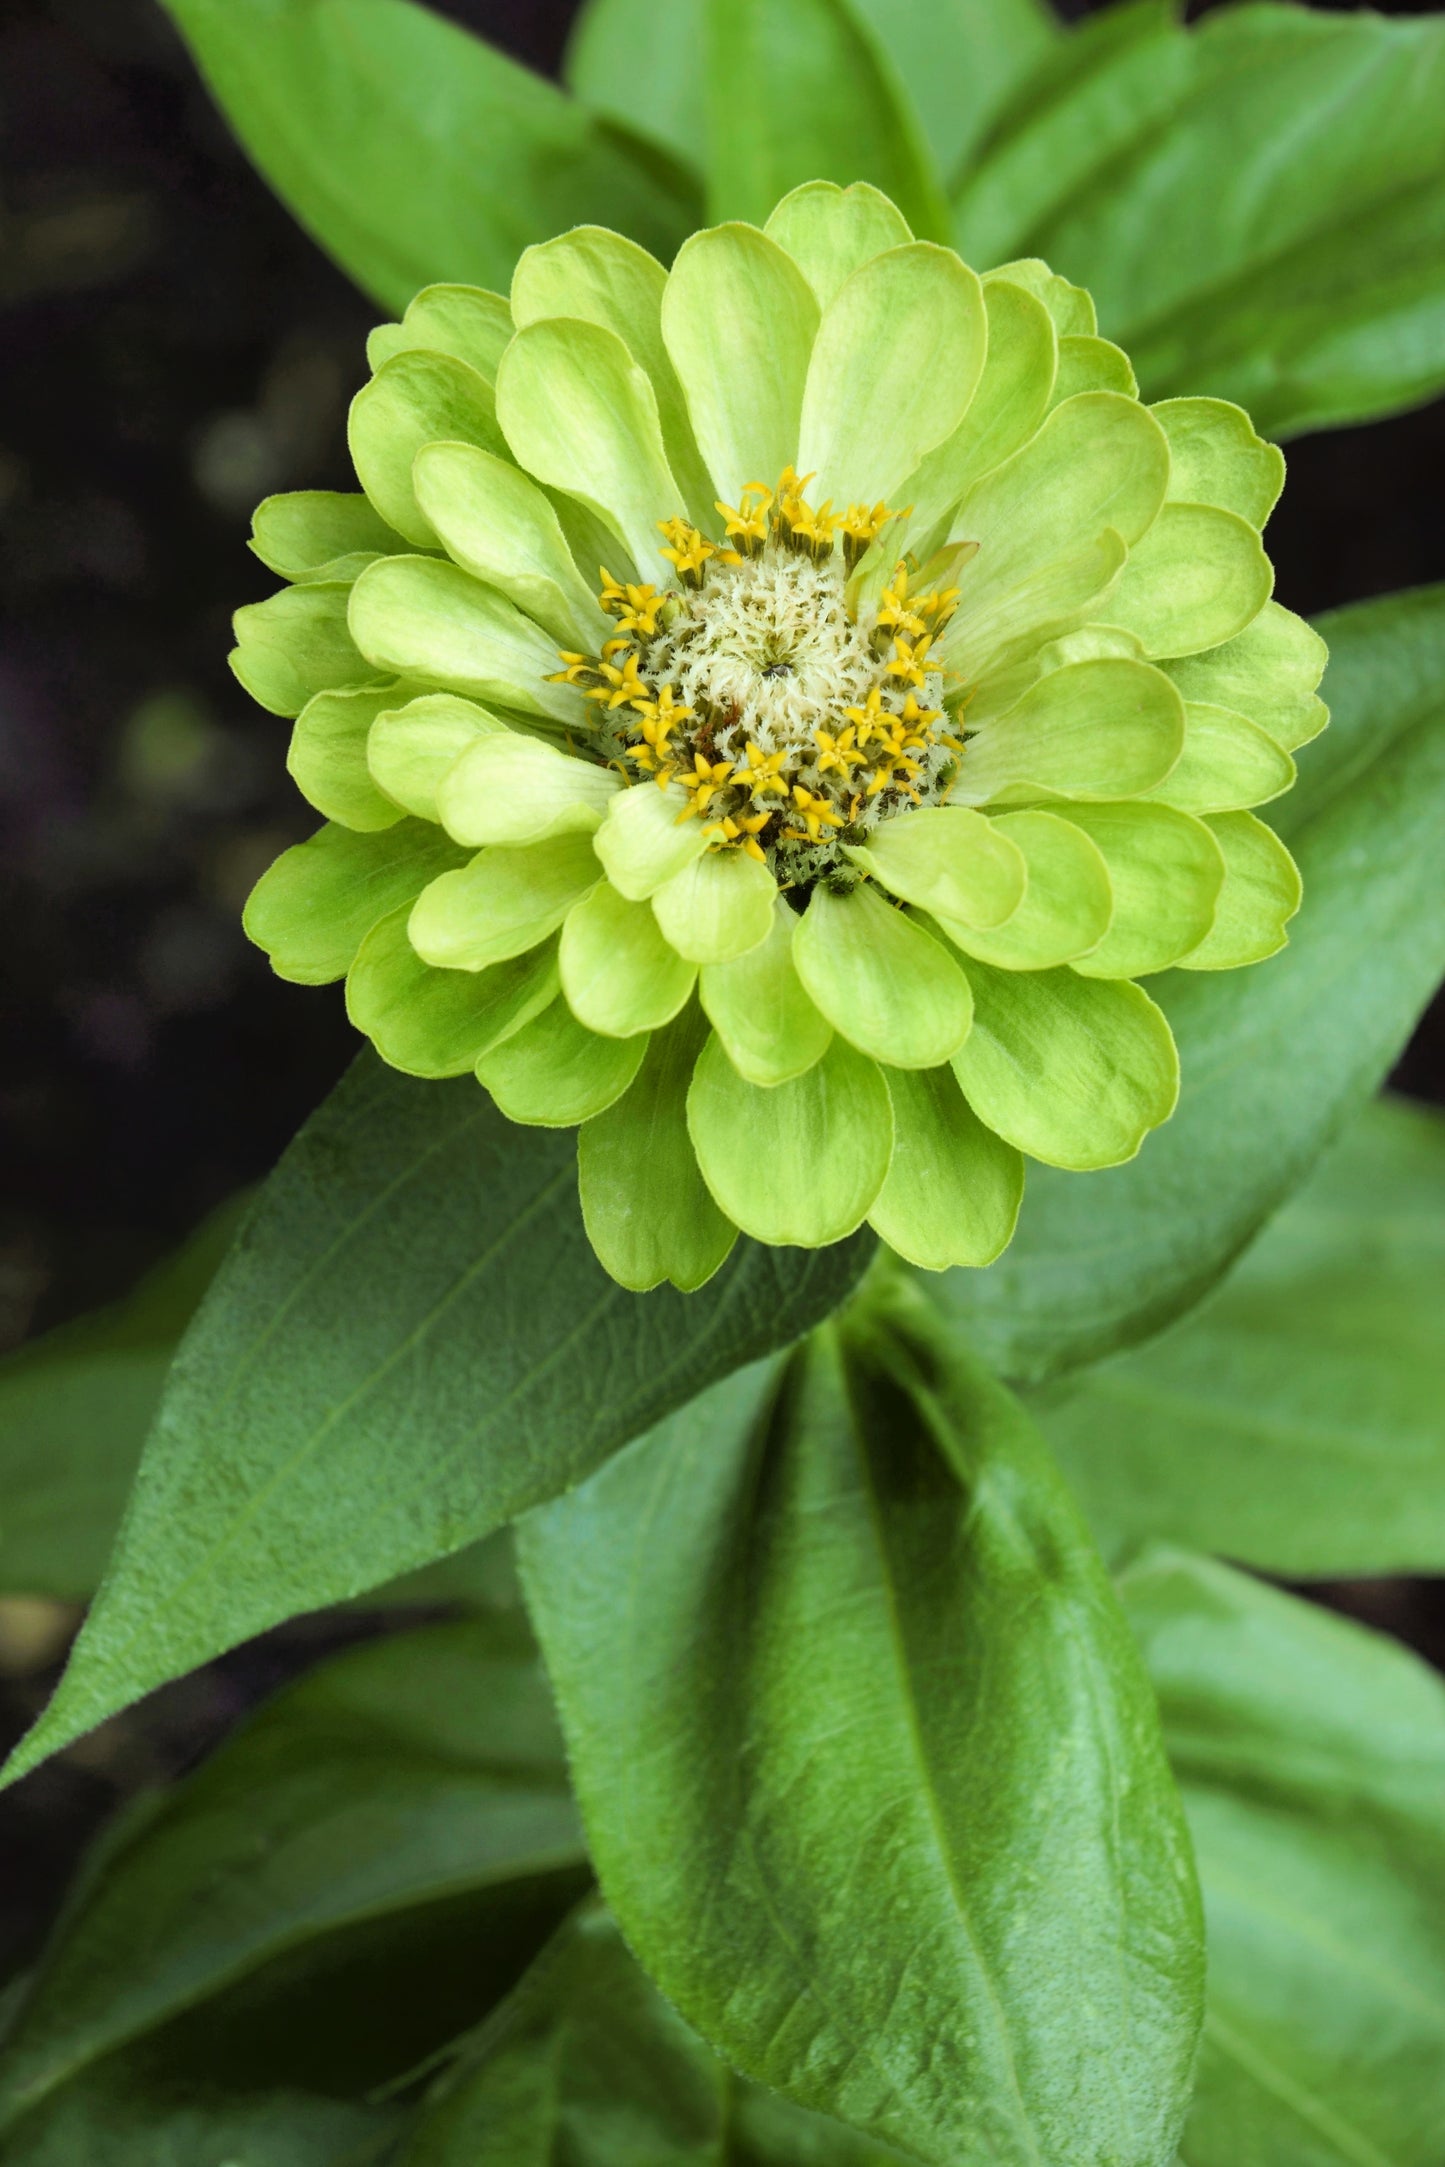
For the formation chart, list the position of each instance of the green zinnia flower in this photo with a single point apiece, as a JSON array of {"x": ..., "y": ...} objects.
[{"x": 770, "y": 713}]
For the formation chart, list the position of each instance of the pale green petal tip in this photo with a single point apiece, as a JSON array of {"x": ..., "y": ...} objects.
[{"x": 770, "y": 998}]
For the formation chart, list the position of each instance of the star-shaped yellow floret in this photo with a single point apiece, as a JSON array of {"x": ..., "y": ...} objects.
[
  {"x": 747, "y": 524},
  {"x": 686, "y": 548},
  {"x": 704, "y": 783},
  {"x": 909, "y": 659},
  {"x": 815, "y": 813},
  {"x": 635, "y": 606},
  {"x": 760, "y": 771},
  {"x": 838, "y": 753},
  {"x": 620, "y": 687}
]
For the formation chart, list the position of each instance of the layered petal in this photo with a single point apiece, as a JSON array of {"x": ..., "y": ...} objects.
[
  {"x": 312, "y": 909},
  {"x": 504, "y": 902},
  {"x": 409, "y": 749},
  {"x": 466, "y": 322},
  {"x": 597, "y": 277},
  {"x": 581, "y": 415},
  {"x": 831, "y": 232},
  {"x": 717, "y": 907},
  {"x": 649, "y": 1214},
  {"x": 619, "y": 974},
  {"x": 422, "y": 618},
  {"x": 740, "y": 319},
  {"x": 800, "y": 1162},
  {"x": 953, "y": 1188},
  {"x": 506, "y": 788},
  {"x": 1166, "y": 871},
  {"x": 1074, "y": 1071},
  {"x": 439, "y": 1023},
  {"x": 1261, "y": 893},
  {"x": 948, "y": 860},
  {"x": 1216, "y": 457},
  {"x": 760, "y": 1009},
  {"x": 1068, "y": 904},
  {"x": 881, "y": 980},
  {"x": 898, "y": 356},
  {"x": 1109, "y": 728},
  {"x": 419, "y": 398},
  {"x": 496, "y": 523},
  {"x": 554, "y": 1073},
  {"x": 1196, "y": 579}
]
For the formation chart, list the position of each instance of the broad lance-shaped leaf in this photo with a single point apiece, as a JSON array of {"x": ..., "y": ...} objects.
[
  {"x": 75, "y": 1406},
  {"x": 140, "y": 2111},
  {"x": 645, "y": 67},
  {"x": 1273, "y": 1059},
  {"x": 1297, "y": 1421},
  {"x": 411, "y": 1343},
  {"x": 807, "y": 90},
  {"x": 1295, "y": 159},
  {"x": 414, "y": 152},
  {"x": 1312, "y": 1759},
  {"x": 870, "y": 1774},
  {"x": 586, "y": 2062},
  {"x": 413, "y": 1788}
]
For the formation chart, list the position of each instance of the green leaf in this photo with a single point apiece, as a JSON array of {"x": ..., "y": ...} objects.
[
  {"x": 643, "y": 67},
  {"x": 140, "y": 2111},
  {"x": 75, "y": 1406},
  {"x": 1296, "y": 161},
  {"x": 807, "y": 90},
  {"x": 587, "y": 2062},
  {"x": 1274, "y": 1058},
  {"x": 1312, "y": 1759},
  {"x": 961, "y": 58},
  {"x": 869, "y": 1774},
  {"x": 1311, "y": 1387},
  {"x": 411, "y": 1343},
  {"x": 412, "y": 151},
  {"x": 410, "y": 1773}
]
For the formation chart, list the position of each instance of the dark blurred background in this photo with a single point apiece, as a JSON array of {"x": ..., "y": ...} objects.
[{"x": 172, "y": 348}]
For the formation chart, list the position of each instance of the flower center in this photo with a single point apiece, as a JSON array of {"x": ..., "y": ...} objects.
[{"x": 793, "y": 720}]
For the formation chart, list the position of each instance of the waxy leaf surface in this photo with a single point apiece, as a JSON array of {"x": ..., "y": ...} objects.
[{"x": 411, "y": 1343}]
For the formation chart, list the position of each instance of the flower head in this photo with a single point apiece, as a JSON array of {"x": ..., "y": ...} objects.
[{"x": 771, "y": 714}]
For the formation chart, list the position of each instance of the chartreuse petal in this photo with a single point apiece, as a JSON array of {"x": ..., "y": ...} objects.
[
  {"x": 643, "y": 842},
  {"x": 898, "y": 356},
  {"x": 619, "y": 975},
  {"x": 495, "y": 522},
  {"x": 327, "y": 757},
  {"x": 501, "y": 904},
  {"x": 648, "y": 1213},
  {"x": 1228, "y": 763},
  {"x": 758, "y": 1007},
  {"x": 740, "y": 318},
  {"x": 948, "y": 860},
  {"x": 1071, "y": 307},
  {"x": 296, "y": 644},
  {"x": 1261, "y": 893},
  {"x": 1067, "y": 905},
  {"x": 553, "y": 1073},
  {"x": 1166, "y": 871},
  {"x": 885, "y": 984},
  {"x": 466, "y": 322},
  {"x": 581, "y": 415},
  {"x": 1012, "y": 398},
  {"x": 1268, "y": 672},
  {"x": 311, "y": 533},
  {"x": 455, "y": 632},
  {"x": 1099, "y": 462},
  {"x": 1217, "y": 458},
  {"x": 831, "y": 232},
  {"x": 1009, "y": 618},
  {"x": 313, "y": 908},
  {"x": 438, "y": 1023},
  {"x": 419, "y": 398},
  {"x": 409, "y": 749},
  {"x": 1103, "y": 729},
  {"x": 718, "y": 907},
  {"x": 798, "y": 1163},
  {"x": 1074, "y": 1071},
  {"x": 1090, "y": 364},
  {"x": 507, "y": 788},
  {"x": 1195, "y": 580},
  {"x": 599, "y": 277},
  {"x": 953, "y": 1190}
]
